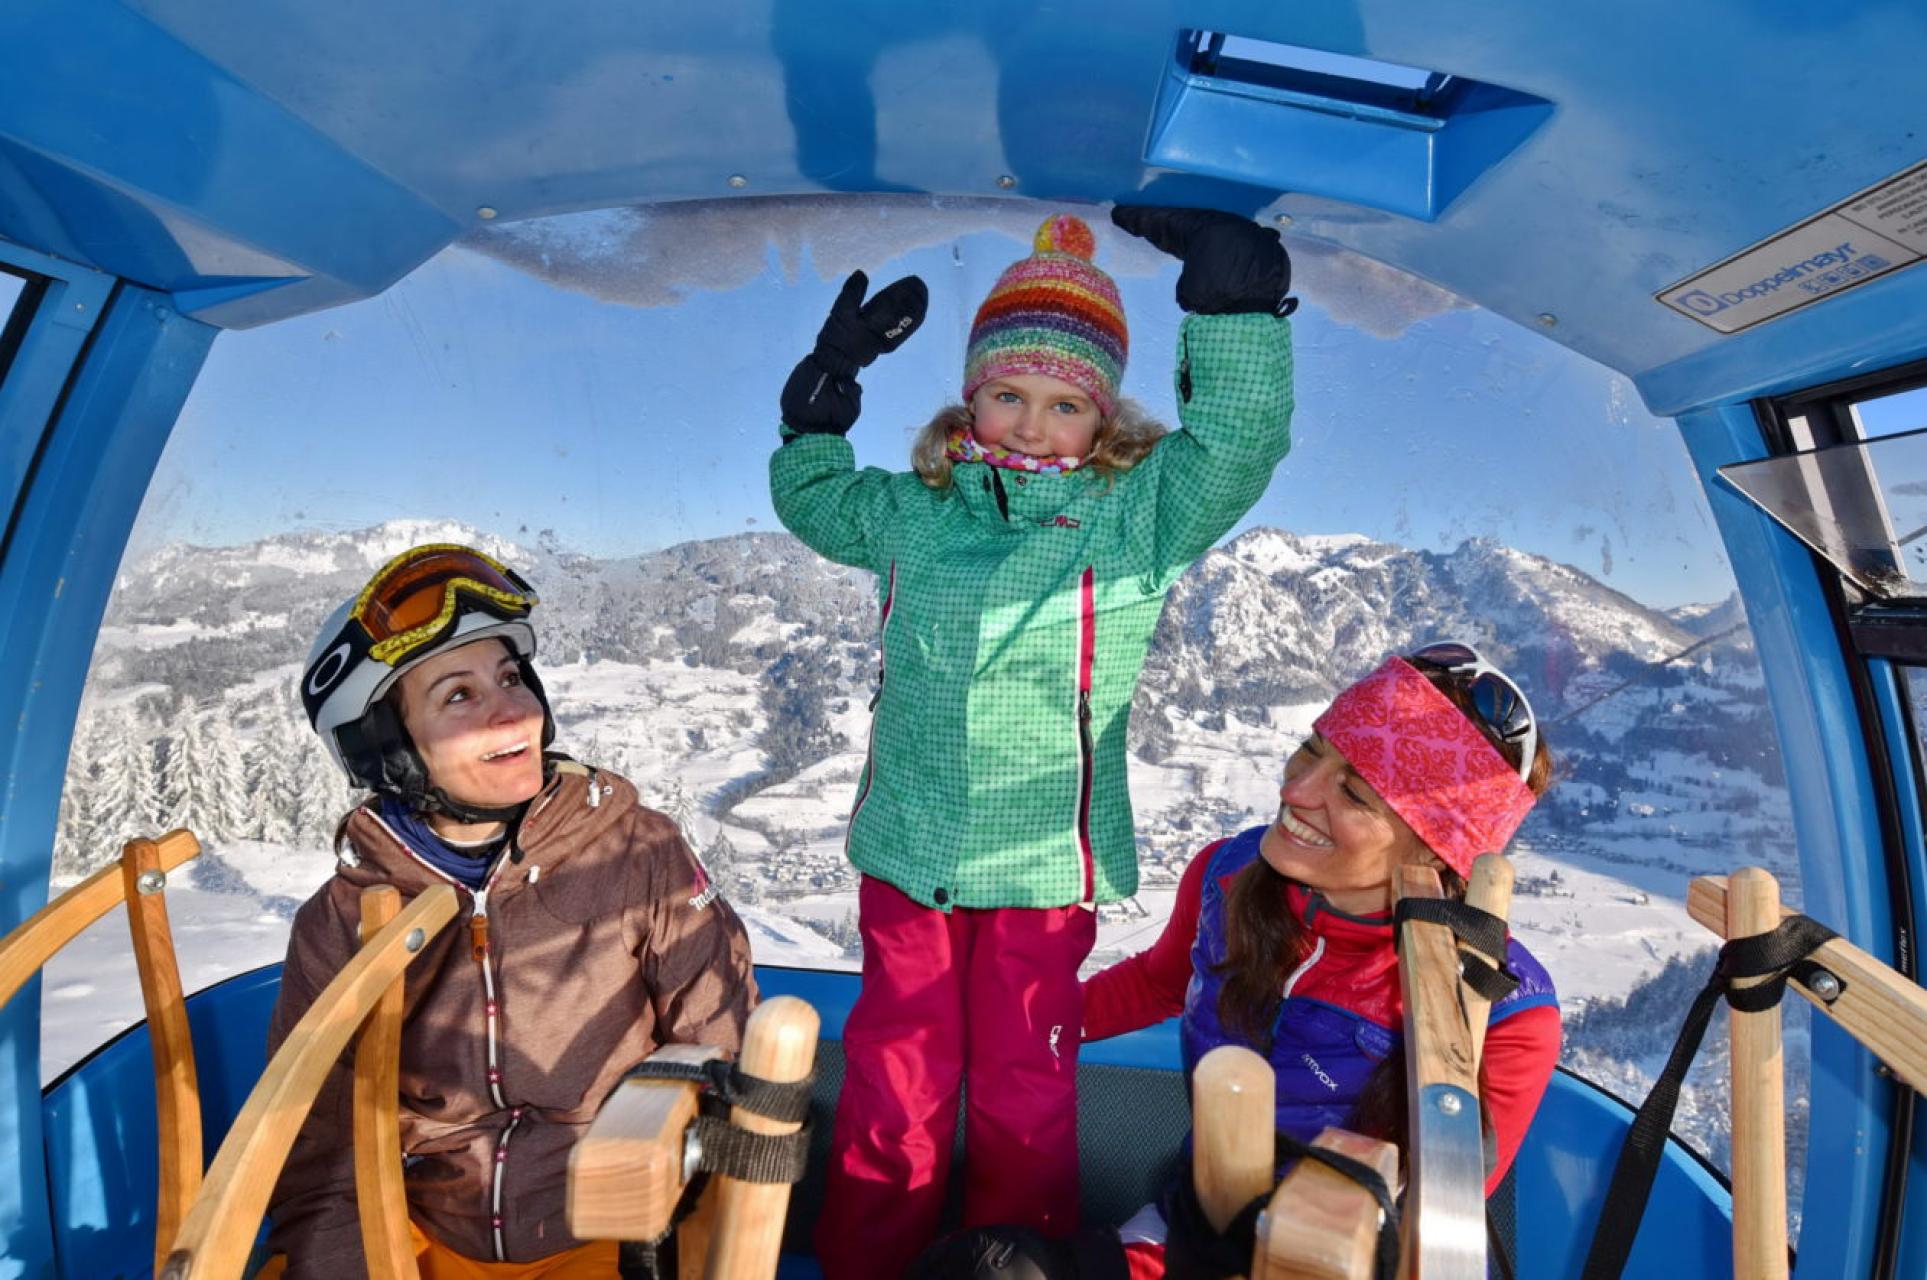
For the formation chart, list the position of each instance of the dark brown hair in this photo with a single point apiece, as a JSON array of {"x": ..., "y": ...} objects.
[{"x": 1264, "y": 941}]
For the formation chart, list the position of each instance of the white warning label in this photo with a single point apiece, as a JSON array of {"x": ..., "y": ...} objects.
[{"x": 1863, "y": 237}]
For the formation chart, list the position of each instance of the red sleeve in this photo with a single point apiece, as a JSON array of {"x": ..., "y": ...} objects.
[
  {"x": 1149, "y": 987},
  {"x": 1520, "y": 1053}
]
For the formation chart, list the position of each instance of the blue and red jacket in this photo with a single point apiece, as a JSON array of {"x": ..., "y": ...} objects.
[{"x": 1342, "y": 1010}]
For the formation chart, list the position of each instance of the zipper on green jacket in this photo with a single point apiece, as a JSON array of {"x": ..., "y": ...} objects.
[{"x": 870, "y": 752}]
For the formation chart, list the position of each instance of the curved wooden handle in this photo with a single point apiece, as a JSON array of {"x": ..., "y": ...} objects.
[
  {"x": 215, "y": 1240},
  {"x": 1234, "y": 1116},
  {"x": 779, "y": 1044},
  {"x": 177, "y": 1092},
  {"x": 1490, "y": 890},
  {"x": 1759, "y": 1100},
  {"x": 60, "y": 921},
  {"x": 380, "y": 1197}
]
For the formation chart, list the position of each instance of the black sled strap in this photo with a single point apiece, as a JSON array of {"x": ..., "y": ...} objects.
[
  {"x": 1774, "y": 956},
  {"x": 1480, "y": 930}
]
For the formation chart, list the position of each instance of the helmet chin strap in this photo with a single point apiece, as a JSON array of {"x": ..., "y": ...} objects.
[
  {"x": 435, "y": 800},
  {"x": 427, "y": 799}
]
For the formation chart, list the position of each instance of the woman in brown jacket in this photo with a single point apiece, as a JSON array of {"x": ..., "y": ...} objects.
[{"x": 591, "y": 935}]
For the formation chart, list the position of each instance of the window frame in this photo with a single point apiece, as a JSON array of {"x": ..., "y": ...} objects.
[{"x": 1876, "y": 638}]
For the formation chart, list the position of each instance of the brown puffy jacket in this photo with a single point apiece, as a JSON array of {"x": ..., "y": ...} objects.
[{"x": 603, "y": 941}]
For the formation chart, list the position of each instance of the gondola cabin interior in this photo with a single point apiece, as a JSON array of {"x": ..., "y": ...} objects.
[{"x": 1612, "y": 335}]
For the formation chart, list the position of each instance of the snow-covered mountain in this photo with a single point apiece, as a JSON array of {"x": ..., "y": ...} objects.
[{"x": 736, "y": 668}]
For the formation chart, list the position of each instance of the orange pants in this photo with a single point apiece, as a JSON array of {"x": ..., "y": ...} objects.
[{"x": 437, "y": 1261}]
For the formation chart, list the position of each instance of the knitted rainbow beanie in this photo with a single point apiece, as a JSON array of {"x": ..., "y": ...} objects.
[{"x": 1052, "y": 313}]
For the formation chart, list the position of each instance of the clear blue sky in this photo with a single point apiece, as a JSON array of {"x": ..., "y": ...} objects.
[{"x": 474, "y": 391}]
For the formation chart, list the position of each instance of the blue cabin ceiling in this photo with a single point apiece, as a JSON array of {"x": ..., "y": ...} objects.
[{"x": 263, "y": 158}]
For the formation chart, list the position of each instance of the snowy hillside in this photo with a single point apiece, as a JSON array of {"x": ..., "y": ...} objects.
[{"x": 730, "y": 680}]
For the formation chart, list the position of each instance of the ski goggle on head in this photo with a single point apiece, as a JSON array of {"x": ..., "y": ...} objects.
[
  {"x": 1499, "y": 702},
  {"x": 415, "y": 596}
]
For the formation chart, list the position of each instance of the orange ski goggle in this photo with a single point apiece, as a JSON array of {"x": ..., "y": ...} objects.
[{"x": 413, "y": 598}]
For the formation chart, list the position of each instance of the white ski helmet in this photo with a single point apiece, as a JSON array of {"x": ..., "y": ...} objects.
[{"x": 426, "y": 600}]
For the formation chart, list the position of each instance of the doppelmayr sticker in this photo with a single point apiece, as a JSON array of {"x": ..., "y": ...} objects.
[{"x": 1862, "y": 238}]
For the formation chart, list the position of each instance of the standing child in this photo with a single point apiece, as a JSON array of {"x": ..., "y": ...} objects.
[{"x": 1021, "y": 567}]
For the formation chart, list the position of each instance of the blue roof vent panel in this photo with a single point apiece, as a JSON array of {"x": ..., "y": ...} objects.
[{"x": 1404, "y": 139}]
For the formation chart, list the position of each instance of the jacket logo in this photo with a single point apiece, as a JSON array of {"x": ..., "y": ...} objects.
[
  {"x": 1318, "y": 1071},
  {"x": 1060, "y": 522},
  {"x": 707, "y": 891}
]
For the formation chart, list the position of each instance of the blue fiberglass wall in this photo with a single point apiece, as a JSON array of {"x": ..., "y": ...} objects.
[
  {"x": 89, "y": 399},
  {"x": 1838, "y": 831}
]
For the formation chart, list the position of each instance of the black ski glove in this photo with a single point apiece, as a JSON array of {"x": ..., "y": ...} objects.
[
  {"x": 1232, "y": 266},
  {"x": 822, "y": 396}
]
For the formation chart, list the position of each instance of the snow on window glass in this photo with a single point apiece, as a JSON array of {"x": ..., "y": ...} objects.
[{"x": 594, "y": 398}]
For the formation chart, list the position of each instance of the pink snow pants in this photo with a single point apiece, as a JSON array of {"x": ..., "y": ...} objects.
[{"x": 988, "y": 996}]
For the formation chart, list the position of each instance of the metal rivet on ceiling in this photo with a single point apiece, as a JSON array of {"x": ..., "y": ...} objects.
[
  {"x": 485, "y": 213},
  {"x": 1005, "y": 181},
  {"x": 1547, "y": 319},
  {"x": 738, "y": 180}
]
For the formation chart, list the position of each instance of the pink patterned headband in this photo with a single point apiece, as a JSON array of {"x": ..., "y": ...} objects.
[{"x": 1429, "y": 762}]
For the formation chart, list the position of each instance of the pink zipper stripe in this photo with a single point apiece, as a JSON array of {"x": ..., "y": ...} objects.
[
  {"x": 1087, "y": 749},
  {"x": 870, "y": 752},
  {"x": 1087, "y": 629}
]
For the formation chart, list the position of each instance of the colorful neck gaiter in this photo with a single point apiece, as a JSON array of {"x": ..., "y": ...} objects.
[
  {"x": 963, "y": 446},
  {"x": 1429, "y": 762}
]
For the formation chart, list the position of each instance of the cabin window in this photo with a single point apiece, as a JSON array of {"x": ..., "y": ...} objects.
[
  {"x": 1892, "y": 413},
  {"x": 593, "y": 398},
  {"x": 1850, "y": 481},
  {"x": 12, "y": 316}
]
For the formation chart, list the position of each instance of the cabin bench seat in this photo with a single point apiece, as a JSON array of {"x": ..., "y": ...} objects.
[{"x": 1133, "y": 1113}]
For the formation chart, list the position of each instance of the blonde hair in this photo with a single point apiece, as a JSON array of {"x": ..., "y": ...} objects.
[{"x": 1123, "y": 439}]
